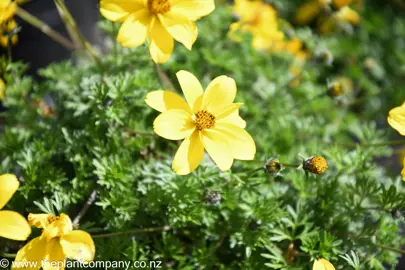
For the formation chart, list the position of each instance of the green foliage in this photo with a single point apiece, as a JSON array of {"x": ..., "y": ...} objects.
[{"x": 80, "y": 129}]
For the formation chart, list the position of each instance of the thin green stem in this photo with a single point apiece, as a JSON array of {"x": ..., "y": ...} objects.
[
  {"x": 389, "y": 248},
  {"x": 140, "y": 132},
  {"x": 255, "y": 170},
  {"x": 164, "y": 79},
  {"x": 8, "y": 255},
  {"x": 394, "y": 142},
  {"x": 70, "y": 22},
  {"x": 290, "y": 165},
  {"x": 145, "y": 230},
  {"x": 46, "y": 29}
]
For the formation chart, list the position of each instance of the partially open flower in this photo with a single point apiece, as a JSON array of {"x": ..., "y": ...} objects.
[
  {"x": 315, "y": 164},
  {"x": 335, "y": 89},
  {"x": 273, "y": 166}
]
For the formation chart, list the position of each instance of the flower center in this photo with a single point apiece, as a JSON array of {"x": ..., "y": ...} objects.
[
  {"x": 159, "y": 6},
  {"x": 204, "y": 119},
  {"x": 52, "y": 219}
]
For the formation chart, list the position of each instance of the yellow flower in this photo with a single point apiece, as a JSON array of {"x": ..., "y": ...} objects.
[
  {"x": 348, "y": 15},
  {"x": 403, "y": 169},
  {"x": 7, "y": 10},
  {"x": 57, "y": 242},
  {"x": 158, "y": 20},
  {"x": 5, "y": 29},
  {"x": 322, "y": 264},
  {"x": 2, "y": 89},
  {"x": 338, "y": 4},
  {"x": 307, "y": 12},
  {"x": 12, "y": 224},
  {"x": 260, "y": 20},
  {"x": 396, "y": 119},
  {"x": 208, "y": 120}
]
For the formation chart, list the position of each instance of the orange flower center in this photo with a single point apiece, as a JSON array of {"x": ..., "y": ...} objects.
[
  {"x": 159, "y": 6},
  {"x": 204, "y": 119},
  {"x": 52, "y": 219}
]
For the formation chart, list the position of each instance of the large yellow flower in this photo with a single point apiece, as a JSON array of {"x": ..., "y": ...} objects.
[
  {"x": 259, "y": 19},
  {"x": 7, "y": 10},
  {"x": 12, "y": 224},
  {"x": 158, "y": 20},
  {"x": 207, "y": 120},
  {"x": 396, "y": 119},
  {"x": 322, "y": 264},
  {"x": 57, "y": 242}
]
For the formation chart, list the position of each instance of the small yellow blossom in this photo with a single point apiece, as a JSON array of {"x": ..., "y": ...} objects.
[
  {"x": 338, "y": 4},
  {"x": 57, "y": 242},
  {"x": 349, "y": 15},
  {"x": 157, "y": 20},
  {"x": 396, "y": 119},
  {"x": 316, "y": 164},
  {"x": 5, "y": 29},
  {"x": 307, "y": 12},
  {"x": 2, "y": 89},
  {"x": 7, "y": 10},
  {"x": 260, "y": 20},
  {"x": 12, "y": 224},
  {"x": 208, "y": 120},
  {"x": 322, "y": 264}
]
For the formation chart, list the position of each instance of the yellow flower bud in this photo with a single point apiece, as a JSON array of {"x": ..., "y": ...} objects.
[
  {"x": 273, "y": 166},
  {"x": 315, "y": 164},
  {"x": 335, "y": 90}
]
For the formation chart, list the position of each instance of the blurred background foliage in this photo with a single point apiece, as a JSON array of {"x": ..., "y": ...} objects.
[{"x": 78, "y": 130}]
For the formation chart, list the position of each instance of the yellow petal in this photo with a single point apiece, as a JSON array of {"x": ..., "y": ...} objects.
[
  {"x": 349, "y": 15},
  {"x": 220, "y": 93},
  {"x": 2, "y": 91},
  {"x": 8, "y": 186},
  {"x": 307, "y": 12},
  {"x": 322, "y": 264},
  {"x": 161, "y": 43},
  {"x": 241, "y": 143},
  {"x": 39, "y": 220},
  {"x": 31, "y": 254},
  {"x": 190, "y": 85},
  {"x": 55, "y": 258},
  {"x": 227, "y": 110},
  {"x": 134, "y": 30},
  {"x": 403, "y": 170},
  {"x": 174, "y": 125},
  {"x": 59, "y": 227},
  {"x": 78, "y": 245},
  {"x": 189, "y": 155},
  {"x": 338, "y": 4},
  {"x": 182, "y": 29},
  {"x": 14, "y": 226},
  {"x": 119, "y": 10},
  {"x": 193, "y": 9},
  {"x": 165, "y": 100},
  {"x": 235, "y": 119},
  {"x": 7, "y": 10},
  {"x": 396, "y": 119},
  {"x": 218, "y": 148}
]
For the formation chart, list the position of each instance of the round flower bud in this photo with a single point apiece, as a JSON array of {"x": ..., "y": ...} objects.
[
  {"x": 324, "y": 56},
  {"x": 316, "y": 164},
  {"x": 213, "y": 197},
  {"x": 335, "y": 90},
  {"x": 273, "y": 166}
]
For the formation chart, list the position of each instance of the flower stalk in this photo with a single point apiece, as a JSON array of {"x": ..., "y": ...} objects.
[
  {"x": 44, "y": 28},
  {"x": 71, "y": 24},
  {"x": 145, "y": 230}
]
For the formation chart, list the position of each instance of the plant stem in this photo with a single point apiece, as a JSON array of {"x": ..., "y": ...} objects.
[
  {"x": 290, "y": 165},
  {"x": 86, "y": 207},
  {"x": 46, "y": 29},
  {"x": 394, "y": 142},
  {"x": 146, "y": 230},
  {"x": 70, "y": 22},
  {"x": 140, "y": 132},
  {"x": 164, "y": 79},
  {"x": 8, "y": 255},
  {"x": 389, "y": 248}
]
